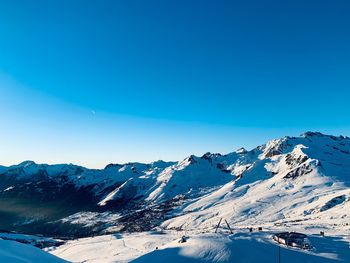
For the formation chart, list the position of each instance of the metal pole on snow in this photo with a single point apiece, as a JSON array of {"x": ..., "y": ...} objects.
[{"x": 216, "y": 230}]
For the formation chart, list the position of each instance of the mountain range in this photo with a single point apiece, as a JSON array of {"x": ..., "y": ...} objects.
[{"x": 291, "y": 181}]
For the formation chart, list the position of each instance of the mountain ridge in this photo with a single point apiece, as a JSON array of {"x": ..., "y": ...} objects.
[{"x": 71, "y": 195}]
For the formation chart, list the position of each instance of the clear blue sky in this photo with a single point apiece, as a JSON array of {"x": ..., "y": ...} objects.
[{"x": 93, "y": 82}]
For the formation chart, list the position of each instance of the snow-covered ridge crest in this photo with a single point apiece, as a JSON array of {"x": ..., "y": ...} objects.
[{"x": 310, "y": 145}]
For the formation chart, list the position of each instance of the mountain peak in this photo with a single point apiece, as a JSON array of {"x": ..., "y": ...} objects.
[
  {"x": 27, "y": 163},
  {"x": 161, "y": 164},
  {"x": 111, "y": 165},
  {"x": 241, "y": 150},
  {"x": 312, "y": 134}
]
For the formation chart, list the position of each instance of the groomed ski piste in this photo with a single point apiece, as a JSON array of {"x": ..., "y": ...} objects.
[
  {"x": 240, "y": 247},
  {"x": 164, "y": 246}
]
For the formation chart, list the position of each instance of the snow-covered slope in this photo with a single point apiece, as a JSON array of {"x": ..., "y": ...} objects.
[
  {"x": 200, "y": 247},
  {"x": 290, "y": 181},
  {"x": 14, "y": 252}
]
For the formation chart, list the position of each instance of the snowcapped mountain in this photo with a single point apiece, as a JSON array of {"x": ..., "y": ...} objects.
[
  {"x": 290, "y": 181},
  {"x": 293, "y": 179}
]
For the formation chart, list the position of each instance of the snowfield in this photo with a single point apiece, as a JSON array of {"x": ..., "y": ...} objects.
[
  {"x": 200, "y": 247},
  {"x": 15, "y": 252}
]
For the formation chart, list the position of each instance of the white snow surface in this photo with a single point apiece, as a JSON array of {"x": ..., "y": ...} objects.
[
  {"x": 200, "y": 247},
  {"x": 14, "y": 252}
]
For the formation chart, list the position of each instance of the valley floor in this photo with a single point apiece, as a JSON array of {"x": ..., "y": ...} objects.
[{"x": 200, "y": 247}]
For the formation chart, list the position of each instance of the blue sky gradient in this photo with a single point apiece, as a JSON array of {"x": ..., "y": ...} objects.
[{"x": 94, "y": 82}]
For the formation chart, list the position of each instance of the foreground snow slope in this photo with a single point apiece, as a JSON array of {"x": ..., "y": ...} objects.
[
  {"x": 238, "y": 248},
  {"x": 14, "y": 252}
]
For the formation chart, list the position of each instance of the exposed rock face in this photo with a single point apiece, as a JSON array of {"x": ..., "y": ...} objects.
[
  {"x": 300, "y": 171},
  {"x": 296, "y": 160}
]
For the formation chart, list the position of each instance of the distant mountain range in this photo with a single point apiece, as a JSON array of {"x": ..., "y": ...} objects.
[{"x": 302, "y": 179}]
